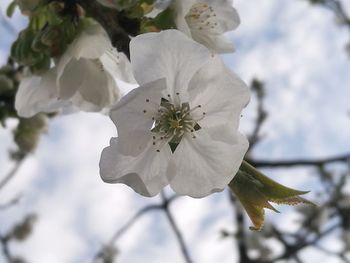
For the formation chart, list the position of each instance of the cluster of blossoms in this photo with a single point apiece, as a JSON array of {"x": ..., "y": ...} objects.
[{"x": 180, "y": 126}]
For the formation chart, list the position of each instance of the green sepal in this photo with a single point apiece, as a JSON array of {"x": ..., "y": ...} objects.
[
  {"x": 164, "y": 20},
  {"x": 255, "y": 191},
  {"x": 11, "y": 8}
]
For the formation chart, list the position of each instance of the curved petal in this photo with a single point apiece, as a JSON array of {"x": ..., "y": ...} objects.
[
  {"x": 144, "y": 173},
  {"x": 133, "y": 115},
  {"x": 217, "y": 43},
  {"x": 98, "y": 87},
  {"x": 118, "y": 65},
  {"x": 204, "y": 165},
  {"x": 92, "y": 43},
  {"x": 37, "y": 94},
  {"x": 169, "y": 54},
  {"x": 89, "y": 79},
  {"x": 228, "y": 18},
  {"x": 71, "y": 78},
  {"x": 181, "y": 8},
  {"x": 221, "y": 94}
]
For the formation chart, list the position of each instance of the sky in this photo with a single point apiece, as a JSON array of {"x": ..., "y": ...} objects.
[{"x": 297, "y": 50}]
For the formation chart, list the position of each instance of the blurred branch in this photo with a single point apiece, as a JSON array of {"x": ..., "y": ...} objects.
[
  {"x": 4, "y": 240},
  {"x": 175, "y": 228},
  {"x": 240, "y": 235},
  {"x": 163, "y": 206},
  {"x": 10, "y": 203},
  {"x": 299, "y": 162},
  {"x": 337, "y": 7},
  {"x": 11, "y": 174},
  {"x": 259, "y": 89}
]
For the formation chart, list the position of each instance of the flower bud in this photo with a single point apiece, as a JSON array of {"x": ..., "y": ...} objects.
[{"x": 5, "y": 83}]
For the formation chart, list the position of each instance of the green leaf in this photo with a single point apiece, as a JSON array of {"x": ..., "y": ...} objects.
[
  {"x": 164, "y": 20},
  {"x": 11, "y": 9},
  {"x": 255, "y": 191}
]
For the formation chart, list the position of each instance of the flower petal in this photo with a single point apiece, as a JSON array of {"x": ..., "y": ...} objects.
[
  {"x": 228, "y": 18},
  {"x": 204, "y": 165},
  {"x": 221, "y": 94},
  {"x": 145, "y": 173},
  {"x": 169, "y": 54},
  {"x": 217, "y": 43},
  {"x": 38, "y": 94},
  {"x": 133, "y": 115},
  {"x": 92, "y": 43},
  {"x": 118, "y": 65}
]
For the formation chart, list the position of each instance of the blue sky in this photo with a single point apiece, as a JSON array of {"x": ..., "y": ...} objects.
[{"x": 297, "y": 50}]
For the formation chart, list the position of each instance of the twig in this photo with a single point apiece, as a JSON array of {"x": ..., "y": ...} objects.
[
  {"x": 4, "y": 240},
  {"x": 299, "y": 162},
  {"x": 258, "y": 88},
  {"x": 176, "y": 230},
  {"x": 10, "y": 203},
  {"x": 11, "y": 174},
  {"x": 132, "y": 221}
]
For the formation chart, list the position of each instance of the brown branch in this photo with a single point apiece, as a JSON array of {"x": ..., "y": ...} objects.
[
  {"x": 299, "y": 162},
  {"x": 4, "y": 240},
  {"x": 176, "y": 229},
  {"x": 11, "y": 174}
]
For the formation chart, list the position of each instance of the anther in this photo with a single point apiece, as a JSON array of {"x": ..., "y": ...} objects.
[
  {"x": 147, "y": 100},
  {"x": 144, "y": 111},
  {"x": 158, "y": 151}
]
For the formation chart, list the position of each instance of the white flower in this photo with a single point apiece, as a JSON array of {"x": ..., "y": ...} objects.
[
  {"x": 83, "y": 77},
  {"x": 187, "y": 98},
  {"x": 206, "y": 21}
]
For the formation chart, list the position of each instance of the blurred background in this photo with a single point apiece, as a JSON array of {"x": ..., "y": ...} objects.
[{"x": 295, "y": 55}]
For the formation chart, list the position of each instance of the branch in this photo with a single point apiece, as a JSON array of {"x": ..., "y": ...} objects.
[
  {"x": 4, "y": 240},
  {"x": 12, "y": 173},
  {"x": 299, "y": 162},
  {"x": 176, "y": 230}
]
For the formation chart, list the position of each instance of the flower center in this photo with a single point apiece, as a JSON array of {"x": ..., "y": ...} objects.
[
  {"x": 172, "y": 121},
  {"x": 202, "y": 17}
]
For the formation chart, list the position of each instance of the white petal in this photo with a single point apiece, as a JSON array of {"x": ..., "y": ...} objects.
[
  {"x": 217, "y": 43},
  {"x": 70, "y": 78},
  {"x": 118, "y": 65},
  {"x": 92, "y": 43},
  {"x": 181, "y": 8},
  {"x": 89, "y": 79},
  {"x": 145, "y": 173},
  {"x": 227, "y": 16},
  {"x": 208, "y": 20},
  {"x": 204, "y": 165},
  {"x": 221, "y": 94},
  {"x": 133, "y": 115},
  {"x": 37, "y": 94},
  {"x": 169, "y": 54}
]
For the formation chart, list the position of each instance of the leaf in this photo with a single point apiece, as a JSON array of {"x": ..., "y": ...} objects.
[
  {"x": 255, "y": 190},
  {"x": 11, "y": 8}
]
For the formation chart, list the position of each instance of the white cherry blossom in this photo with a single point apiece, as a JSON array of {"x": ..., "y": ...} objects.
[
  {"x": 206, "y": 21},
  {"x": 84, "y": 77},
  {"x": 180, "y": 127}
]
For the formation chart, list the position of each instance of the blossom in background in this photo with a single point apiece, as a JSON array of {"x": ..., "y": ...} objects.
[
  {"x": 180, "y": 127},
  {"x": 84, "y": 77},
  {"x": 206, "y": 21}
]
